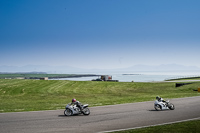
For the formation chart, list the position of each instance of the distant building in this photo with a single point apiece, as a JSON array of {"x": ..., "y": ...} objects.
[
  {"x": 44, "y": 78},
  {"x": 20, "y": 78},
  {"x": 106, "y": 77}
]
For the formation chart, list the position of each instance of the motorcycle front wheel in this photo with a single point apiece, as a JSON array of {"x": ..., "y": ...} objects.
[
  {"x": 68, "y": 112},
  {"x": 171, "y": 106},
  {"x": 158, "y": 107},
  {"x": 86, "y": 111}
]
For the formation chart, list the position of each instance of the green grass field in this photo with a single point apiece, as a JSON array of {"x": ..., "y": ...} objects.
[
  {"x": 31, "y": 95},
  {"x": 182, "y": 127}
]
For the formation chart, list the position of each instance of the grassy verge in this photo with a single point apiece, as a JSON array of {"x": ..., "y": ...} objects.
[
  {"x": 182, "y": 127},
  {"x": 30, "y": 95},
  {"x": 186, "y": 78}
]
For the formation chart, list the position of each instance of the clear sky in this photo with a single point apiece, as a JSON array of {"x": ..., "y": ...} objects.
[{"x": 99, "y": 33}]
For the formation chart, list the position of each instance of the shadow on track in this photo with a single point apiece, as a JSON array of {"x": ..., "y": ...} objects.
[
  {"x": 158, "y": 111},
  {"x": 152, "y": 110},
  {"x": 71, "y": 116}
]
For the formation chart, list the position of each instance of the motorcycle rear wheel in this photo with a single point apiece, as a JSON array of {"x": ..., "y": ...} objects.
[
  {"x": 68, "y": 112},
  {"x": 158, "y": 107}
]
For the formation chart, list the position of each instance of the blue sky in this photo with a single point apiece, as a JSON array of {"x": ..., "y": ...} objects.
[{"x": 99, "y": 33}]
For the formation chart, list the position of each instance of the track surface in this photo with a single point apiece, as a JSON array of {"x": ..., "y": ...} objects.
[{"x": 101, "y": 119}]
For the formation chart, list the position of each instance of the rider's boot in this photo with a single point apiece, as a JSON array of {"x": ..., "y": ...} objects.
[{"x": 81, "y": 108}]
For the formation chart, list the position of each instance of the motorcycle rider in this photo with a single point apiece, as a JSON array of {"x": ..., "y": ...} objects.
[
  {"x": 77, "y": 103},
  {"x": 160, "y": 99}
]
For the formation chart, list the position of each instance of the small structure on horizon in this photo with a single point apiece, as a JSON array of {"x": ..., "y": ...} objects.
[
  {"x": 44, "y": 78},
  {"x": 105, "y": 78},
  {"x": 20, "y": 77}
]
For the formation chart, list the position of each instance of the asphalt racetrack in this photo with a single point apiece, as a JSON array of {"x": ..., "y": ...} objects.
[{"x": 104, "y": 118}]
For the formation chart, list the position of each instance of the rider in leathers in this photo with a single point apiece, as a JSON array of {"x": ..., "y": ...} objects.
[
  {"x": 77, "y": 103},
  {"x": 160, "y": 99}
]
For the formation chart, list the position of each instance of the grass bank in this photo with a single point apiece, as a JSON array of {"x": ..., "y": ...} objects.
[
  {"x": 182, "y": 127},
  {"x": 185, "y": 78},
  {"x": 30, "y": 95}
]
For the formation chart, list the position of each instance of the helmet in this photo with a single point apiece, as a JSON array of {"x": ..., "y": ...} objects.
[
  {"x": 157, "y": 97},
  {"x": 73, "y": 100}
]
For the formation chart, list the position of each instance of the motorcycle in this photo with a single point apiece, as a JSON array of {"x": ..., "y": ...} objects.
[
  {"x": 163, "y": 105},
  {"x": 74, "y": 110}
]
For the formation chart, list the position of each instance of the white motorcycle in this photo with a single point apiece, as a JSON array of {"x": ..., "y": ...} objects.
[
  {"x": 74, "y": 110},
  {"x": 163, "y": 105}
]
